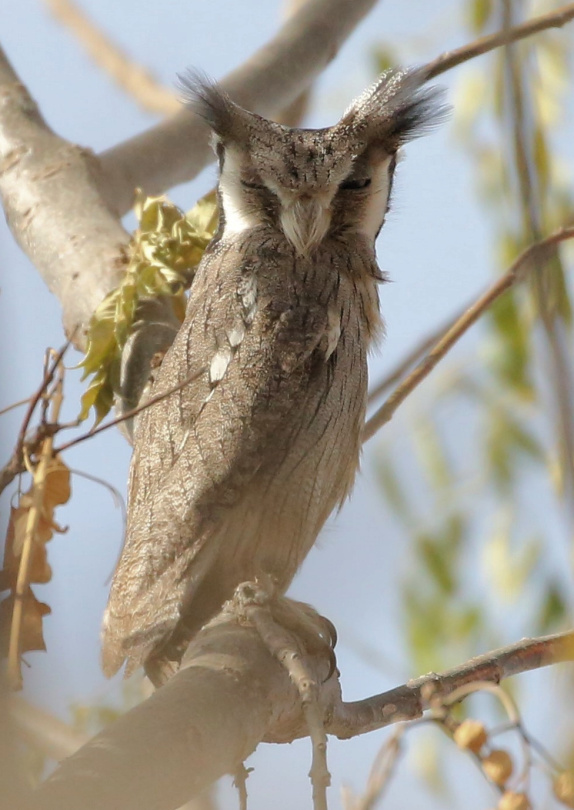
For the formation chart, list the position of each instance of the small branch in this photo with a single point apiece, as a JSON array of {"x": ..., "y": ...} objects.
[
  {"x": 134, "y": 411},
  {"x": 379, "y": 777},
  {"x": 404, "y": 365},
  {"x": 409, "y": 701},
  {"x": 14, "y": 674},
  {"x": 451, "y": 59},
  {"x": 15, "y": 465},
  {"x": 537, "y": 253},
  {"x": 52, "y": 195},
  {"x": 176, "y": 150},
  {"x": 147, "y": 91}
]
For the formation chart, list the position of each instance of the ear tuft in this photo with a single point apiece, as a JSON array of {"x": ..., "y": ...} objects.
[
  {"x": 397, "y": 107},
  {"x": 205, "y": 98}
]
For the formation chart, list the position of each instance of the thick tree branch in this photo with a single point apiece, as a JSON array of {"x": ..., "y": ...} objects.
[
  {"x": 51, "y": 194},
  {"x": 231, "y": 694},
  {"x": 533, "y": 257},
  {"x": 176, "y": 150}
]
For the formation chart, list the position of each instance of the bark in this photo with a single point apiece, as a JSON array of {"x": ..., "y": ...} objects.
[
  {"x": 230, "y": 695},
  {"x": 52, "y": 195}
]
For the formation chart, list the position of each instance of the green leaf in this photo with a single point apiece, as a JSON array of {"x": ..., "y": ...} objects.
[
  {"x": 511, "y": 354},
  {"x": 432, "y": 454},
  {"x": 554, "y": 609},
  {"x": 393, "y": 489},
  {"x": 436, "y": 564},
  {"x": 479, "y": 13},
  {"x": 164, "y": 254}
]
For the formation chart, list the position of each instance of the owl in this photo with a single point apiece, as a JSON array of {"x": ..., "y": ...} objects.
[{"x": 235, "y": 471}]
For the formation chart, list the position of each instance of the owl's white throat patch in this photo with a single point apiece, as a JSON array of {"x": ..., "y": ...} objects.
[{"x": 305, "y": 222}]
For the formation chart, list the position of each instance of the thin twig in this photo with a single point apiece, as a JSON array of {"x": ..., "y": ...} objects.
[
  {"x": 450, "y": 59},
  {"x": 405, "y": 364},
  {"x": 11, "y": 407},
  {"x": 409, "y": 701},
  {"x": 381, "y": 772},
  {"x": 15, "y": 465},
  {"x": 34, "y": 514},
  {"x": 530, "y": 205},
  {"x": 138, "y": 82},
  {"x": 134, "y": 412},
  {"x": 537, "y": 252}
]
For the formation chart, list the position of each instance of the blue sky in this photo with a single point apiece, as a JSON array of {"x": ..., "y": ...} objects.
[{"x": 436, "y": 247}]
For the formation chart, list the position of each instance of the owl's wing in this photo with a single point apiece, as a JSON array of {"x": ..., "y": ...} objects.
[{"x": 249, "y": 344}]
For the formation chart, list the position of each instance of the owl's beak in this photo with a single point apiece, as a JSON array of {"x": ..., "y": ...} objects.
[{"x": 305, "y": 221}]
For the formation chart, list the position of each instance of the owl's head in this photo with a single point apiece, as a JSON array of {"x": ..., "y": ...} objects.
[{"x": 312, "y": 183}]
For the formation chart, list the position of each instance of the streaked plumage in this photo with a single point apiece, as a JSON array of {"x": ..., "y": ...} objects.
[{"x": 234, "y": 474}]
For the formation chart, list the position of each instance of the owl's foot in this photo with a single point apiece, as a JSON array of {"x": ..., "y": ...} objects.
[
  {"x": 293, "y": 633},
  {"x": 273, "y": 614}
]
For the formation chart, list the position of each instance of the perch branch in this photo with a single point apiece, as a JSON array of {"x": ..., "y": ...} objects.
[
  {"x": 230, "y": 694},
  {"x": 530, "y": 258}
]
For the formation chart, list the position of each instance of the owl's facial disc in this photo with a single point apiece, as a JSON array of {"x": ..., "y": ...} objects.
[{"x": 250, "y": 198}]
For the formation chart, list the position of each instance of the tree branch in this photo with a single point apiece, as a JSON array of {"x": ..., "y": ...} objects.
[
  {"x": 408, "y": 702},
  {"x": 450, "y": 59},
  {"x": 531, "y": 258},
  {"x": 176, "y": 150},
  {"x": 397, "y": 373},
  {"x": 138, "y": 82},
  {"x": 231, "y": 694},
  {"x": 51, "y": 192}
]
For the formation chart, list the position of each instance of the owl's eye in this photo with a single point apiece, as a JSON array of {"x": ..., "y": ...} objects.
[
  {"x": 355, "y": 184},
  {"x": 256, "y": 186}
]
